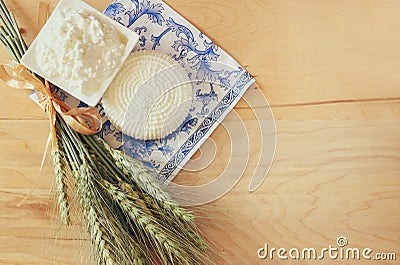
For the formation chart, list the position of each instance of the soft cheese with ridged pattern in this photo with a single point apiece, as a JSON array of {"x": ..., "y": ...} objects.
[{"x": 150, "y": 97}]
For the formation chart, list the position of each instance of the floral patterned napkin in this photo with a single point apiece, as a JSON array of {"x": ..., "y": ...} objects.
[{"x": 218, "y": 83}]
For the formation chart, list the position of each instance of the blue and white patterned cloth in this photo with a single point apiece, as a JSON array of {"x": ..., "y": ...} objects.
[{"x": 218, "y": 83}]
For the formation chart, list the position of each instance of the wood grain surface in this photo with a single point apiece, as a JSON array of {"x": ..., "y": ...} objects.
[{"x": 330, "y": 71}]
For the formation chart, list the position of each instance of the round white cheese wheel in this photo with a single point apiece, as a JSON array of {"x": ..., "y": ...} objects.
[{"x": 150, "y": 97}]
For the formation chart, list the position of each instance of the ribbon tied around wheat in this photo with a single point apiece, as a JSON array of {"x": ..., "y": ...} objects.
[{"x": 83, "y": 120}]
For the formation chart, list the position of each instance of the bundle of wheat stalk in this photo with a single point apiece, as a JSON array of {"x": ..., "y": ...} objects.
[{"x": 130, "y": 219}]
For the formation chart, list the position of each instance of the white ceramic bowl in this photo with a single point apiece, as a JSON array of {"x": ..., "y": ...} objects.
[{"x": 129, "y": 37}]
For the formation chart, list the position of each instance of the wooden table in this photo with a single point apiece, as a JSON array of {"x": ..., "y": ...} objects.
[{"x": 330, "y": 70}]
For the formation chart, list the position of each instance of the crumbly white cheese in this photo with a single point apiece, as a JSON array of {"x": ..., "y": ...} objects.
[{"x": 80, "y": 49}]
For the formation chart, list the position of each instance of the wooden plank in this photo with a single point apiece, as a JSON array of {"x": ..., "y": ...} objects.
[
  {"x": 306, "y": 52},
  {"x": 379, "y": 110},
  {"x": 17, "y": 105},
  {"x": 341, "y": 173}
]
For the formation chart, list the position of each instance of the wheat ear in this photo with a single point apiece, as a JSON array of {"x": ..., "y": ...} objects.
[
  {"x": 167, "y": 246},
  {"x": 156, "y": 197},
  {"x": 60, "y": 170},
  {"x": 101, "y": 247},
  {"x": 141, "y": 176},
  {"x": 109, "y": 239}
]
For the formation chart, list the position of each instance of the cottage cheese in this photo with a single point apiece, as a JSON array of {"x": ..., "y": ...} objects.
[{"x": 80, "y": 49}]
